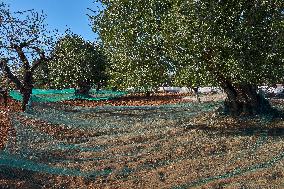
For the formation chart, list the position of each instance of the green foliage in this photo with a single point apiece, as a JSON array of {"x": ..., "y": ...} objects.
[
  {"x": 129, "y": 32},
  {"x": 240, "y": 41},
  {"x": 76, "y": 62},
  {"x": 204, "y": 42},
  {"x": 41, "y": 76}
]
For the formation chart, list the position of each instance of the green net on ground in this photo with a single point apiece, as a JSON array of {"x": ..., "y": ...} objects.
[
  {"x": 41, "y": 95},
  {"x": 37, "y": 150},
  {"x": 125, "y": 143}
]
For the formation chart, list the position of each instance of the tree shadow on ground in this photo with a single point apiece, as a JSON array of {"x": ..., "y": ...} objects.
[
  {"x": 248, "y": 131},
  {"x": 148, "y": 98},
  {"x": 16, "y": 178},
  {"x": 137, "y": 113}
]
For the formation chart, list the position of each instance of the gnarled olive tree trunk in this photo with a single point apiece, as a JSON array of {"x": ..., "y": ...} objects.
[{"x": 243, "y": 99}]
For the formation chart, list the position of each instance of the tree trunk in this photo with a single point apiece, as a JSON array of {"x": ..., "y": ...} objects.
[
  {"x": 244, "y": 100},
  {"x": 84, "y": 88},
  {"x": 99, "y": 86},
  {"x": 26, "y": 97},
  {"x": 26, "y": 89},
  {"x": 84, "y": 91},
  {"x": 195, "y": 89},
  {"x": 148, "y": 94}
]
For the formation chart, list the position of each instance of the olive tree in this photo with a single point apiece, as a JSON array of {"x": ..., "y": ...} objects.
[
  {"x": 130, "y": 34},
  {"x": 23, "y": 46},
  {"x": 237, "y": 44},
  {"x": 76, "y": 63}
]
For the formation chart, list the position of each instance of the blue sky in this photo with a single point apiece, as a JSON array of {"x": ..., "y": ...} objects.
[{"x": 61, "y": 14}]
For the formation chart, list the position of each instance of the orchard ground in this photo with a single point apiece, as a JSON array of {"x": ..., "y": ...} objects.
[{"x": 162, "y": 141}]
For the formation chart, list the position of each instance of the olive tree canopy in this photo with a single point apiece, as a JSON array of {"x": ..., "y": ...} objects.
[
  {"x": 237, "y": 44},
  {"x": 76, "y": 63}
]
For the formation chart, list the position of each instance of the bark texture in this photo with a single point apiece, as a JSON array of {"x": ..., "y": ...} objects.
[
  {"x": 84, "y": 88},
  {"x": 26, "y": 89},
  {"x": 243, "y": 99}
]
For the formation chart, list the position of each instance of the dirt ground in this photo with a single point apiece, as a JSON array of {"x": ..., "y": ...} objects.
[
  {"x": 203, "y": 151},
  {"x": 137, "y": 100}
]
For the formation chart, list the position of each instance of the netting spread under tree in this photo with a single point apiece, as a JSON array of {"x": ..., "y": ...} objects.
[
  {"x": 76, "y": 63},
  {"x": 24, "y": 41},
  {"x": 238, "y": 44}
]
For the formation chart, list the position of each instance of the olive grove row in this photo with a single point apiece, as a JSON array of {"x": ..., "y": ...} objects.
[{"x": 236, "y": 45}]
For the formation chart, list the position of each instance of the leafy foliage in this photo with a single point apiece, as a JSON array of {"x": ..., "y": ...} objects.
[
  {"x": 238, "y": 41},
  {"x": 41, "y": 76},
  {"x": 130, "y": 34},
  {"x": 75, "y": 63}
]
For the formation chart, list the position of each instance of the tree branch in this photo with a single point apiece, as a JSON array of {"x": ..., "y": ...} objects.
[
  {"x": 41, "y": 59},
  {"x": 22, "y": 56},
  {"x": 27, "y": 43}
]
